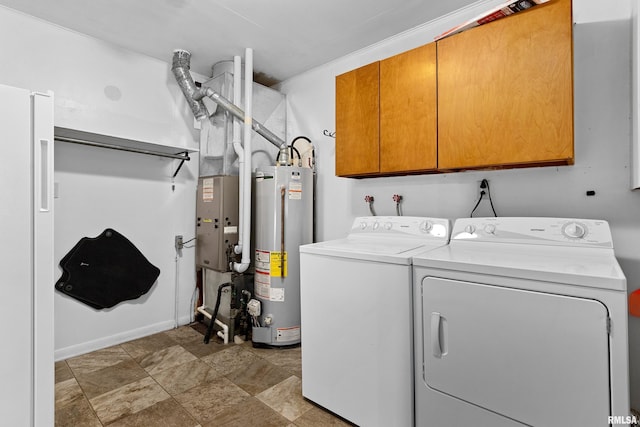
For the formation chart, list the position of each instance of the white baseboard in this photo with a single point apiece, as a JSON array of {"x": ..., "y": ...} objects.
[{"x": 89, "y": 346}]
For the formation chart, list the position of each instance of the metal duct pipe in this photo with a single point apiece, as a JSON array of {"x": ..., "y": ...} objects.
[
  {"x": 238, "y": 113},
  {"x": 180, "y": 67}
]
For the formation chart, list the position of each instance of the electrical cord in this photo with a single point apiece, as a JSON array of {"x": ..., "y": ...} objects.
[
  {"x": 214, "y": 315},
  {"x": 484, "y": 184},
  {"x": 184, "y": 244}
]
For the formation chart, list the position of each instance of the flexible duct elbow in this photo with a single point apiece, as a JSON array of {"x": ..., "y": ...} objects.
[{"x": 180, "y": 67}]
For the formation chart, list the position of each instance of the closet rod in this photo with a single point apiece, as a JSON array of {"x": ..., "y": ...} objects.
[{"x": 182, "y": 157}]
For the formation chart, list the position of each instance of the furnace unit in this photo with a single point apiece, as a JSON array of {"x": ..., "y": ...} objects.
[{"x": 217, "y": 221}]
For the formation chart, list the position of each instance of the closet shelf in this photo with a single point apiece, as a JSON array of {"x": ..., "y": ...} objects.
[{"x": 115, "y": 143}]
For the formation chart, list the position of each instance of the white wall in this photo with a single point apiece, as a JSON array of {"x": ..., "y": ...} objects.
[
  {"x": 101, "y": 88},
  {"x": 602, "y": 83}
]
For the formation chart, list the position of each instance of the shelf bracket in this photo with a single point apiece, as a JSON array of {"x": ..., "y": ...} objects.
[{"x": 186, "y": 157}]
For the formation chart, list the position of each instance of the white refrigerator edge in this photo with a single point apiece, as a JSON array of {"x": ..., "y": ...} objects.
[{"x": 26, "y": 215}]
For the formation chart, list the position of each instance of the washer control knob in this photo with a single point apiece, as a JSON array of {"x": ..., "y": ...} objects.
[
  {"x": 574, "y": 230},
  {"x": 426, "y": 226},
  {"x": 376, "y": 225},
  {"x": 490, "y": 229},
  {"x": 470, "y": 229},
  {"x": 363, "y": 225},
  {"x": 387, "y": 226}
]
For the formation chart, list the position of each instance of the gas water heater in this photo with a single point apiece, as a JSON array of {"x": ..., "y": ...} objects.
[{"x": 283, "y": 222}]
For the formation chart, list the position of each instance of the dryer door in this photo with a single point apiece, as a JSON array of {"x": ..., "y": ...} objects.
[{"x": 537, "y": 358}]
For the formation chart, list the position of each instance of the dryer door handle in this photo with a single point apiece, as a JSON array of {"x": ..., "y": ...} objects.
[{"x": 436, "y": 347}]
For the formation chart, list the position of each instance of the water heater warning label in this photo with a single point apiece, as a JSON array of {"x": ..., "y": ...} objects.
[
  {"x": 288, "y": 334},
  {"x": 269, "y": 262},
  {"x": 295, "y": 191},
  {"x": 278, "y": 268},
  {"x": 263, "y": 261},
  {"x": 264, "y": 290},
  {"x": 267, "y": 265}
]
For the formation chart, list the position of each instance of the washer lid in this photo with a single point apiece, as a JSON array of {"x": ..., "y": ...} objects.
[
  {"x": 592, "y": 267},
  {"x": 391, "y": 239},
  {"x": 397, "y": 251}
]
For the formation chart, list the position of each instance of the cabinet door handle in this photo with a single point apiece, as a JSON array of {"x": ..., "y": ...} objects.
[{"x": 436, "y": 348}]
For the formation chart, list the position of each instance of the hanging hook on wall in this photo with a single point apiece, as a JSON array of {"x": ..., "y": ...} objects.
[{"x": 329, "y": 134}]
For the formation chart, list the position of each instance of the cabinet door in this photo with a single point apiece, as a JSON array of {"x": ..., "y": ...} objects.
[
  {"x": 408, "y": 118},
  {"x": 505, "y": 91},
  {"x": 357, "y": 115}
]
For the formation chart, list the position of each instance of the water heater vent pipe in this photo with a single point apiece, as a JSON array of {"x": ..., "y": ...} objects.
[
  {"x": 237, "y": 112},
  {"x": 180, "y": 67},
  {"x": 237, "y": 147},
  {"x": 243, "y": 265}
]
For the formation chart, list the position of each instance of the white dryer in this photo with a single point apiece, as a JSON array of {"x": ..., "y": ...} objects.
[
  {"x": 521, "y": 321},
  {"x": 356, "y": 311}
]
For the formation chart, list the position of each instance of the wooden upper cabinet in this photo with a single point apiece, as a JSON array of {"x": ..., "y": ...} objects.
[
  {"x": 408, "y": 111},
  {"x": 505, "y": 91},
  {"x": 357, "y": 127}
]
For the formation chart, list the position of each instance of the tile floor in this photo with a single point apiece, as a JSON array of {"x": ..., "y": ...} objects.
[{"x": 173, "y": 379}]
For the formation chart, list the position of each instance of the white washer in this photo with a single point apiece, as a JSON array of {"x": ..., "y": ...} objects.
[
  {"x": 521, "y": 321},
  {"x": 356, "y": 310}
]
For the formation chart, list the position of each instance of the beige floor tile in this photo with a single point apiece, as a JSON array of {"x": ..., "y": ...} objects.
[
  {"x": 97, "y": 360},
  {"x": 227, "y": 361},
  {"x": 166, "y": 358},
  {"x": 318, "y": 417},
  {"x": 142, "y": 347},
  {"x": 72, "y": 407},
  {"x": 67, "y": 392},
  {"x": 76, "y": 414},
  {"x": 193, "y": 341},
  {"x": 184, "y": 334},
  {"x": 167, "y": 413},
  {"x": 199, "y": 349},
  {"x": 110, "y": 378},
  {"x": 212, "y": 384},
  {"x": 206, "y": 401},
  {"x": 287, "y": 358},
  {"x": 128, "y": 399},
  {"x": 181, "y": 378},
  {"x": 286, "y": 398},
  {"x": 251, "y": 412},
  {"x": 62, "y": 371},
  {"x": 258, "y": 376}
]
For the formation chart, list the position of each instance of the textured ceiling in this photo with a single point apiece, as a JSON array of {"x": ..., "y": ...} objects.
[{"x": 288, "y": 36}]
